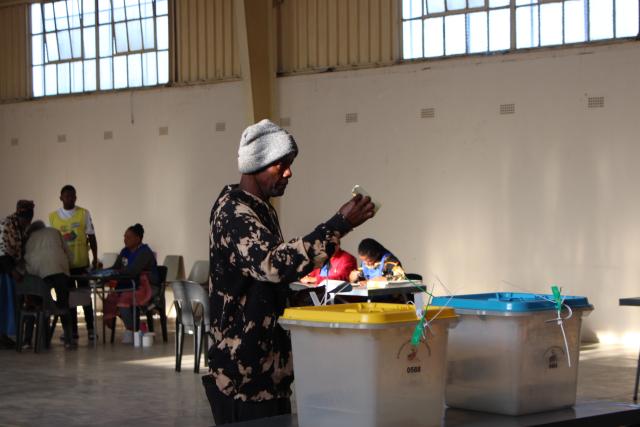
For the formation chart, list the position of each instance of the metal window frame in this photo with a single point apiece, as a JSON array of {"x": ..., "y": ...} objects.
[
  {"x": 513, "y": 27},
  {"x": 96, "y": 26}
]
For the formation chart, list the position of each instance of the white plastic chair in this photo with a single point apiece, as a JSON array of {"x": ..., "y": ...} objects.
[
  {"x": 200, "y": 273},
  {"x": 175, "y": 267},
  {"x": 192, "y": 317}
]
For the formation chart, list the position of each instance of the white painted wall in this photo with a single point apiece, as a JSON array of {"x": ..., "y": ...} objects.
[
  {"x": 167, "y": 183},
  {"x": 547, "y": 195}
]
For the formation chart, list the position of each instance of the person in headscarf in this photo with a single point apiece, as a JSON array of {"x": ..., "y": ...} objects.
[{"x": 12, "y": 236}]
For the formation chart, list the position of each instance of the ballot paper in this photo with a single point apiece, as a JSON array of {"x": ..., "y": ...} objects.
[{"x": 331, "y": 284}]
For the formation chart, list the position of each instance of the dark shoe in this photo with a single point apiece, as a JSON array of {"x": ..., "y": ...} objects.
[
  {"x": 92, "y": 335},
  {"x": 70, "y": 346},
  {"x": 75, "y": 337}
]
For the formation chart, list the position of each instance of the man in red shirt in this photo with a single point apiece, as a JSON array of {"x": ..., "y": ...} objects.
[{"x": 337, "y": 267}]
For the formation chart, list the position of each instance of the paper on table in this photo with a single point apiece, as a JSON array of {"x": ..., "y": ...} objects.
[
  {"x": 331, "y": 284},
  {"x": 377, "y": 284}
]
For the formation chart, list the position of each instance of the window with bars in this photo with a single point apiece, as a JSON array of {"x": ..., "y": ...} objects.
[
  {"x": 436, "y": 28},
  {"x": 87, "y": 45}
]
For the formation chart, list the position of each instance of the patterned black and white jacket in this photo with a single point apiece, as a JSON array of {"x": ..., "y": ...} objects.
[{"x": 251, "y": 267}]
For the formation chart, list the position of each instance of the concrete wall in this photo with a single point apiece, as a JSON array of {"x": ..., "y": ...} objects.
[
  {"x": 545, "y": 195},
  {"x": 167, "y": 183}
]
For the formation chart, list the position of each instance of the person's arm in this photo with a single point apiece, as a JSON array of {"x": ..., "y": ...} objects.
[
  {"x": 311, "y": 278},
  {"x": 260, "y": 254},
  {"x": 65, "y": 247},
  {"x": 91, "y": 238},
  {"x": 117, "y": 265},
  {"x": 356, "y": 276},
  {"x": 314, "y": 273},
  {"x": 93, "y": 244}
]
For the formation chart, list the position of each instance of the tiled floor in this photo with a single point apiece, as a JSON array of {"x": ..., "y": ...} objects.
[
  {"x": 112, "y": 385},
  {"x": 124, "y": 386}
]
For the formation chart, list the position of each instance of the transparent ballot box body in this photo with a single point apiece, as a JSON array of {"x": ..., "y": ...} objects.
[
  {"x": 355, "y": 366},
  {"x": 506, "y": 356}
]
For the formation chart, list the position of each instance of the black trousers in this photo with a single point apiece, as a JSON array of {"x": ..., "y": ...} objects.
[
  {"x": 88, "y": 310},
  {"x": 61, "y": 283},
  {"x": 228, "y": 410}
]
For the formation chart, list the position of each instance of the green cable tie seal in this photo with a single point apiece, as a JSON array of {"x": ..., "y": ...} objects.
[
  {"x": 417, "y": 332},
  {"x": 557, "y": 297}
]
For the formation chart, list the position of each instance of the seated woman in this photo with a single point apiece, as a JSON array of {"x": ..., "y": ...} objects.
[
  {"x": 138, "y": 261},
  {"x": 337, "y": 267},
  {"x": 378, "y": 263}
]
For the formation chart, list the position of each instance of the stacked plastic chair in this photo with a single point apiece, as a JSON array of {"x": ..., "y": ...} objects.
[{"x": 191, "y": 301}]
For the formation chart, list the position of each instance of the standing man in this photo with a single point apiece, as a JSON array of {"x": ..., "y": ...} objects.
[
  {"x": 77, "y": 231},
  {"x": 251, "y": 368},
  {"x": 12, "y": 237}
]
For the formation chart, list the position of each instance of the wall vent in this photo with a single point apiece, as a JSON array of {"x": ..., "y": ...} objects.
[
  {"x": 14, "y": 142},
  {"x": 595, "y": 102},
  {"x": 108, "y": 134},
  {"x": 427, "y": 113},
  {"x": 62, "y": 138},
  {"x": 221, "y": 126},
  {"x": 507, "y": 108},
  {"x": 163, "y": 130},
  {"x": 351, "y": 118},
  {"x": 285, "y": 122}
]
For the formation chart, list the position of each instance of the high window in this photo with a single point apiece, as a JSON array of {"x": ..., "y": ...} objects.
[
  {"x": 88, "y": 45},
  {"x": 435, "y": 28}
]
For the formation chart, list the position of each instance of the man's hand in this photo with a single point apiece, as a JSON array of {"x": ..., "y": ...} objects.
[
  {"x": 357, "y": 210},
  {"x": 94, "y": 264}
]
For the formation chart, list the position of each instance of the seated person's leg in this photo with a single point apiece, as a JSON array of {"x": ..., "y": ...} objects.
[
  {"x": 73, "y": 312},
  {"x": 29, "y": 323},
  {"x": 61, "y": 283},
  {"x": 110, "y": 307},
  {"x": 87, "y": 309},
  {"x": 30, "y": 302},
  {"x": 126, "y": 313}
]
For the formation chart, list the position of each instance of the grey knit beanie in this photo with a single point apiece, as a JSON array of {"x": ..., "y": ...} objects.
[{"x": 262, "y": 144}]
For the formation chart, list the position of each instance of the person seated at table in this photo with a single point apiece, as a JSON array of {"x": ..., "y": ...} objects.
[
  {"x": 378, "y": 263},
  {"x": 337, "y": 267},
  {"x": 46, "y": 255},
  {"x": 138, "y": 261}
]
